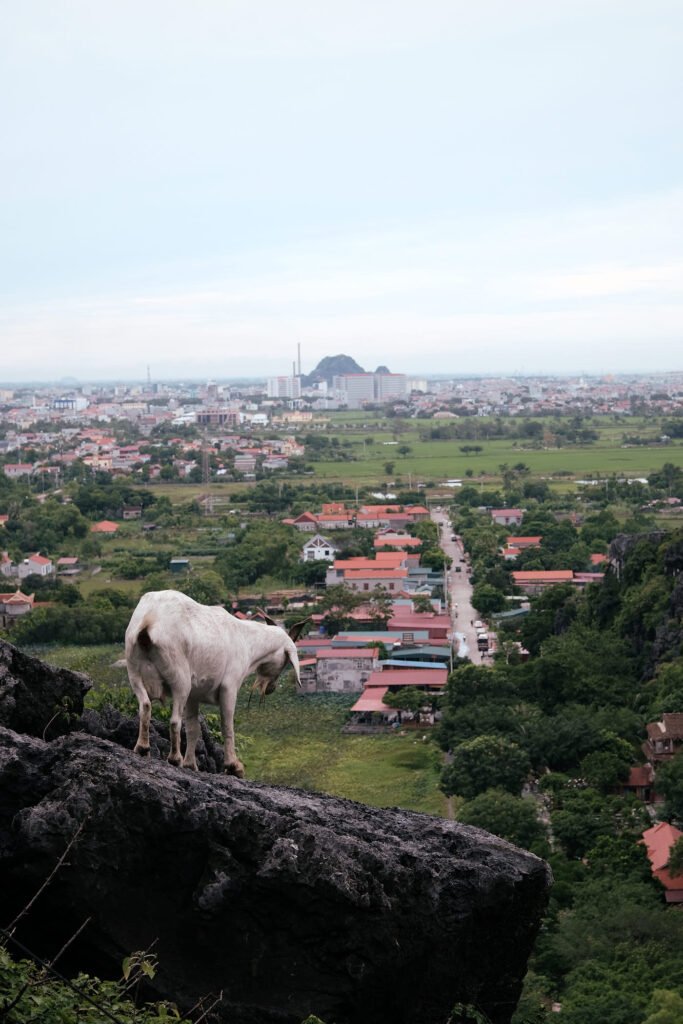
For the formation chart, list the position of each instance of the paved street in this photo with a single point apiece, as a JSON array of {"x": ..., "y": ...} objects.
[{"x": 460, "y": 588}]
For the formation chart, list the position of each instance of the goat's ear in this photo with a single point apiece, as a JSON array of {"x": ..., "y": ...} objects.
[
  {"x": 266, "y": 618},
  {"x": 297, "y": 629}
]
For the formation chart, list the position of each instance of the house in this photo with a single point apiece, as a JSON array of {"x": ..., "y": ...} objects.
[
  {"x": 132, "y": 511},
  {"x": 391, "y": 539},
  {"x": 370, "y": 709},
  {"x": 338, "y": 670},
  {"x": 14, "y": 470},
  {"x": 640, "y": 783},
  {"x": 68, "y": 566},
  {"x": 387, "y": 570},
  {"x": 306, "y": 522},
  {"x": 35, "y": 565},
  {"x": 598, "y": 559},
  {"x": 665, "y": 738},
  {"x": 3, "y": 520},
  {"x": 513, "y": 546},
  {"x": 178, "y": 565},
  {"x": 343, "y": 520},
  {"x": 13, "y": 606},
  {"x": 658, "y": 842},
  {"x": 105, "y": 526},
  {"x": 507, "y": 516},
  {"x": 7, "y": 567},
  {"x": 420, "y": 625},
  {"x": 536, "y": 581},
  {"x": 318, "y": 549}
]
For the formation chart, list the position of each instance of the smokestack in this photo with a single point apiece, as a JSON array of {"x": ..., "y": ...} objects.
[
  {"x": 293, "y": 369},
  {"x": 298, "y": 349}
]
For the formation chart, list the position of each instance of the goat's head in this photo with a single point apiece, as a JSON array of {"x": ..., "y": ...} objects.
[{"x": 269, "y": 670}]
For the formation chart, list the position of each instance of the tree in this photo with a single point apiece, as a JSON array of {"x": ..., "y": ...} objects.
[
  {"x": 665, "y": 1007},
  {"x": 205, "y": 587},
  {"x": 583, "y": 817},
  {"x": 504, "y": 815},
  {"x": 408, "y": 698},
  {"x": 604, "y": 769},
  {"x": 487, "y": 599},
  {"x": 389, "y": 468},
  {"x": 670, "y": 785},
  {"x": 486, "y": 762},
  {"x": 675, "y": 865}
]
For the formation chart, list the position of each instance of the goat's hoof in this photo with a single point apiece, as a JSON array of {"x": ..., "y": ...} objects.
[
  {"x": 141, "y": 751},
  {"x": 175, "y": 761},
  {"x": 236, "y": 769},
  {"x": 192, "y": 765}
]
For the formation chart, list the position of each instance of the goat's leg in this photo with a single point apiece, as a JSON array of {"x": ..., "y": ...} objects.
[
  {"x": 191, "y": 733},
  {"x": 145, "y": 710},
  {"x": 180, "y": 691},
  {"x": 228, "y": 698}
]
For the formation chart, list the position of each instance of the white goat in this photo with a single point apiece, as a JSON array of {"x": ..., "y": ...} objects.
[{"x": 193, "y": 653}]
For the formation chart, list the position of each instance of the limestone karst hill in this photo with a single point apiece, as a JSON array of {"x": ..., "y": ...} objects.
[{"x": 288, "y": 902}]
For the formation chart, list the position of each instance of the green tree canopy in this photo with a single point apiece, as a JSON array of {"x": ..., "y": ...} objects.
[
  {"x": 504, "y": 815},
  {"x": 486, "y": 762}
]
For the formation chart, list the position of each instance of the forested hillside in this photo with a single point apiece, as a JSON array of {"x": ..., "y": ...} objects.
[{"x": 573, "y": 717}]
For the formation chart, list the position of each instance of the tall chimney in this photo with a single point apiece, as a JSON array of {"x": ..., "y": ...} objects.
[{"x": 298, "y": 349}]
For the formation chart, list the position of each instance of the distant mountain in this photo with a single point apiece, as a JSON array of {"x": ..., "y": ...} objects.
[
  {"x": 382, "y": 369},
  {"x": 329, "y": 367}
]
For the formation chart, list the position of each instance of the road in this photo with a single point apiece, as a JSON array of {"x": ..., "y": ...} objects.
[{"x": 460, "y": 588}]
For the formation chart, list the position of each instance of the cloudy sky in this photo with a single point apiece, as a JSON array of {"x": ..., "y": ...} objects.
[{"x": 438, "y": 185}]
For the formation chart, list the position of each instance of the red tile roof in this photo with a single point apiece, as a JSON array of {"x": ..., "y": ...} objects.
[
  {"x": 658, "y": 841},
  {"x": 106, "y": 526},
  {"x": 39, "y": 559},
  {"x": 348, "y": 652},
  {"x": 433, "y": 677},
  {"x": 375, "y": 574},
  {"x": 543, "y": 576},
  {"x": 371, "y": 699}
]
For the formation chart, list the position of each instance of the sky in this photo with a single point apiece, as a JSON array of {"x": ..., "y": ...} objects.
[{"x": 440, "y": 186}]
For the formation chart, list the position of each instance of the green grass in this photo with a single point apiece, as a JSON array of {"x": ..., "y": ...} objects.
[
  {"x": 435, "y": 460},
  {"x": 295, "y": 740}
]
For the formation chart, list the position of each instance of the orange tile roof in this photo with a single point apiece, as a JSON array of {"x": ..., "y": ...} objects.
[
  {"x": 658, "y": 841},
  {"x": 375, "y": 574},
  {"x": 106, "y": 526},
  {"x": 543, "y": 575},
  {"x": 371, "y": 700}
]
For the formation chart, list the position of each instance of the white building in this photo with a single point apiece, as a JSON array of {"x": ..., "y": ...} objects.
[
  {"x": 34, "y": 565},
  {"x": 355, "y": 389},
  {"x": 283, "y": 387},
  {"x": 318, "y": 549},
  {"x": 389, "y": 386}
]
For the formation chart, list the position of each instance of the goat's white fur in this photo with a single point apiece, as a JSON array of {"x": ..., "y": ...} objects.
[{"x": 193, "y": 653}]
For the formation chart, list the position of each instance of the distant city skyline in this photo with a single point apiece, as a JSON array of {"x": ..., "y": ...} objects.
[{"x": 442, "y": 187}]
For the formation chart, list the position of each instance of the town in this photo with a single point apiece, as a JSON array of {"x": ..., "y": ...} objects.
[{"x": 488, "y": 570}]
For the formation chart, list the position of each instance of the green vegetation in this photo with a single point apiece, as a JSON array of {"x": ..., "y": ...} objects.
[
  {"x": 603, "y": 663},
  {"x": 31, "y": 993}
]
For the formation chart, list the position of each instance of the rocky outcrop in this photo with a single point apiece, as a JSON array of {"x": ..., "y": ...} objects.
[
  {"x": 37, "y": 699},
  {"x": 287, "y": 902},
  {"x": 624, "y": 544}
]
